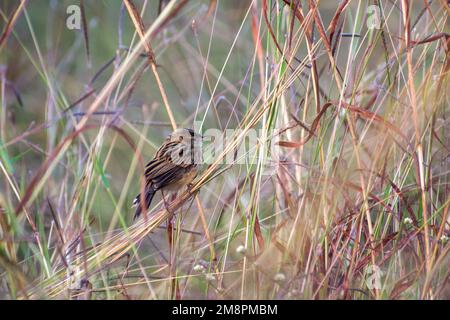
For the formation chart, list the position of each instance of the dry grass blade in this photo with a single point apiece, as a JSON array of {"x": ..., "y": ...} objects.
[
  {"x": 11, "y": 21},
  {"x": 140, "y": 28},
  {"x": 85, "y": 31}
]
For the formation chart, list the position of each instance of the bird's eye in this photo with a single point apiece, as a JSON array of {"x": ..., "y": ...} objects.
[{"x": 181, "y": 138}]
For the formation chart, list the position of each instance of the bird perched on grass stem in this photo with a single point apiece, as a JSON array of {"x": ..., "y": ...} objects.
[{"x": 175, "y": 165}]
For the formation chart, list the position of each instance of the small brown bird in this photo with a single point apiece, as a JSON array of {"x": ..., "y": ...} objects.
[{"x": 175, "y": 165}]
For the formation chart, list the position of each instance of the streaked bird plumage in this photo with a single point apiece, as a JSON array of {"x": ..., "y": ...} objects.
[{"x": 175, "y": 165}]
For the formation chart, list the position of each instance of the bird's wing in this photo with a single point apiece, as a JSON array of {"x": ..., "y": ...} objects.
[{"x": 160, "y": 172}]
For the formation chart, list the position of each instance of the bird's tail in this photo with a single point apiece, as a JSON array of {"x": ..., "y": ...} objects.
[{"x": 149, "y": 193}]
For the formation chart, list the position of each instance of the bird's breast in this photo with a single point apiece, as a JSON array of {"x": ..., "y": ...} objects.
[{"x": 186, "y": 179}]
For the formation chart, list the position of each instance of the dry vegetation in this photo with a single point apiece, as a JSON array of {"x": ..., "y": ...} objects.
[{"x": 360, "y": 115}]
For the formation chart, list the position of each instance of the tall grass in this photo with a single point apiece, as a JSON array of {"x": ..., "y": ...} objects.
[{"x": 356, "y": 206}]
